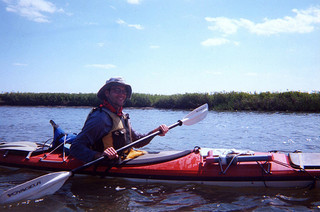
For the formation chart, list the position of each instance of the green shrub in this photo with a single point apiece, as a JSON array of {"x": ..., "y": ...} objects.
[{"x": 293, "y": 101}]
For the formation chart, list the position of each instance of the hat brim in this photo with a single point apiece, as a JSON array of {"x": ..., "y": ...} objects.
[{"x": 101, "y": 93}]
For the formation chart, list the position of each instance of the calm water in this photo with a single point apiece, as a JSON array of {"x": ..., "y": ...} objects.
[{"x": 240, "y": 130}]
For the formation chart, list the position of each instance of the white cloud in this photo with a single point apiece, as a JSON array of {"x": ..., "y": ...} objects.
[
  {"x": 101, "y": 44},
  {"x": 304, "y": 21},
  {"x": 215, "y": 42},
  {"x": 33, "y": 10},
  {"x": 120, "y": 21},
  {"x": 223, "y": 24},
  {"x": 136, "y": 26},
  {"x": 101, "y": 66},
  {"x": 20, "y": 64},
  {"x": 91, "y": 23},
  {"x": 134, "y": 1}
]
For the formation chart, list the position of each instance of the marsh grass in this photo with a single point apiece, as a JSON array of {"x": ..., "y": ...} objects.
[{"x": 293, "y": 101}]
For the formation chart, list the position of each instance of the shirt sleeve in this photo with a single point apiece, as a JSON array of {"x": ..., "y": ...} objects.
[{"x": 97, "y": 125}]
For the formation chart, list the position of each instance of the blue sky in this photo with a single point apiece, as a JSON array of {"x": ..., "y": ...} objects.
[{"x": 160, "y": 46}]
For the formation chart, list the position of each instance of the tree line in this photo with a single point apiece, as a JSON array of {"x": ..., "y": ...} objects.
[{"x": 293, "y": 101}]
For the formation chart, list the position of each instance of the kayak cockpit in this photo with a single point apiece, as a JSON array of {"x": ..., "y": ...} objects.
[{"x": 156, "y": 157}]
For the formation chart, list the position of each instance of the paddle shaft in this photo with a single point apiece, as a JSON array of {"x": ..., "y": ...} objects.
[{"x": 179, "y": 123}]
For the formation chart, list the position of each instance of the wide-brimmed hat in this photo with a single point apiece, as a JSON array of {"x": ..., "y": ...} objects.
[{"x": 111, "y": 82}]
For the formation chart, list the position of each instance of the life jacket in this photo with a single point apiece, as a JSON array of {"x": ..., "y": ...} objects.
[{"x": 120, "y": 133}]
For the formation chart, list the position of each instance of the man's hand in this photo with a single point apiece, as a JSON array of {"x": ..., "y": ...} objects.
[
  {"x": 111, "y": 153},
  {"x": 163, "y": 129}
]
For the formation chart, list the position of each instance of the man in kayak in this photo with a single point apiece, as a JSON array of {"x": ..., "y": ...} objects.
[{"x": 107, "y": 128}]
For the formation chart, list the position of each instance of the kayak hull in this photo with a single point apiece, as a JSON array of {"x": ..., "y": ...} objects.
[{"x": 270, "y": 169}]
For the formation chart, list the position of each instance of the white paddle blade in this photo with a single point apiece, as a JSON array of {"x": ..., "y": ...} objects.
[
  {"x": 36, "y": 188},
  {"x": 26, "y": 146},
  {"x": 196, "y": 115},
  {"x": 19, "y": 148},
  {"x": 19, "y": 144}
]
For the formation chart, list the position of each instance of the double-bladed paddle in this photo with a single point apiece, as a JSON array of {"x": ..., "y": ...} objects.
[{"x": 50, "y": 183}]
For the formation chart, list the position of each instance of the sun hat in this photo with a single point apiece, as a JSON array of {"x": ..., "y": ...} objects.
[{"x": 111, "y": 82}]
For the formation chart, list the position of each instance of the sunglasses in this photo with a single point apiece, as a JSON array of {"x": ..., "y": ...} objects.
[{"x": 118, "y": 91}]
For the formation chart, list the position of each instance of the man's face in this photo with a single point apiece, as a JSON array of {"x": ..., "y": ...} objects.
[{"x": 117, "y": 95}]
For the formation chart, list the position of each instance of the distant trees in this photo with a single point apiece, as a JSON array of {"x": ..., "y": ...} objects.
[
  {"x": 48, "y": 99},
  {"x": 293, "y": 101}
]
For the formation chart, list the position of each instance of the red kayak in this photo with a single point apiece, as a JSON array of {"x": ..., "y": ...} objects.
[{"x": 220, "y": 167}]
